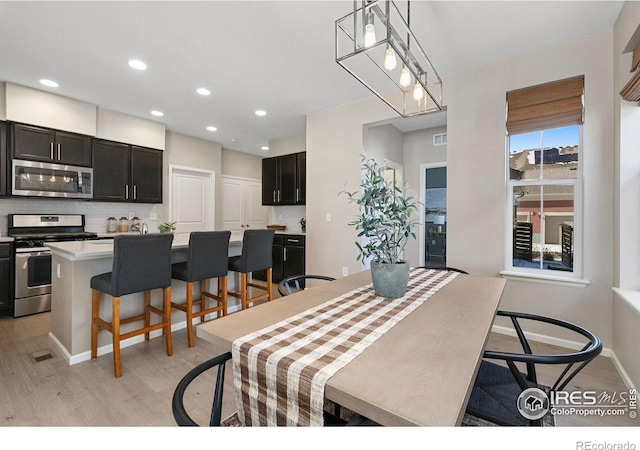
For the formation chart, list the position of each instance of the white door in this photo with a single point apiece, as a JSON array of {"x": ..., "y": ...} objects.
[
  {"x": 242, "y": 204},
  {"x": 192, "y": 199}
]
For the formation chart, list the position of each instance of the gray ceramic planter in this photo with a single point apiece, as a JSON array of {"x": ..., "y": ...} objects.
[{"x": 390, "y": 280}]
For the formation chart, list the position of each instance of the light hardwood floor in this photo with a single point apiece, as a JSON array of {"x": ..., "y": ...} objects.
[{"x": 52, "y": 393}]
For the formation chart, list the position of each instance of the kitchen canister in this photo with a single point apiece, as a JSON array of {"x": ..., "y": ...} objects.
[
  {"x": 112, "y": 226},
  {"x": 123, "y": 225}
]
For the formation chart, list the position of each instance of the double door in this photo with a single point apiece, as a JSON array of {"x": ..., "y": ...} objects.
[
  {"x": 126, "y": 173},
  {"x": 51, "y": 146},
  {"x": 241, "y": 205}
]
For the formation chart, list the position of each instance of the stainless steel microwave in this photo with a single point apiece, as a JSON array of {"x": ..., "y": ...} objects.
[{"x": 39, "y": 179}]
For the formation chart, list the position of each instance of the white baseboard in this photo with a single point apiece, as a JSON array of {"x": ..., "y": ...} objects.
[{"x": 623, "y": 373}]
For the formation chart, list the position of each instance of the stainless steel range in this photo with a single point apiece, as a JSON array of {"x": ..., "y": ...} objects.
[{"x": 31, "y": 232}]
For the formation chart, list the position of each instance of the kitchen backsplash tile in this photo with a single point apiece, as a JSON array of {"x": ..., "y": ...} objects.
[
  {"x": 96, "y": 213},
  {"x": 287, "y": 215}
]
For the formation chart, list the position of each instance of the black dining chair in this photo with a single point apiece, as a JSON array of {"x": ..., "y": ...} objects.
[
  {"x": 296, "y": 283},
  {"x": 208, "y": 258},
  {"x": 497, "y": 387},
  {"x": 141, "y": 263},
  {"x": 450, "y": 269},
  {"x": 182, "y": 417}
]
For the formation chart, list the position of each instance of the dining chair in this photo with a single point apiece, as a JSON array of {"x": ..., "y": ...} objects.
[
  {"x": 182, "y": 417},
  {"x": 297, "y": 283},
  {"x": 141, "y": 263},
  {"x": 450, "y": 269},
  {"x": 498, "y": 387},
  {"x": 208, "y": 258},
  {"x": 257, "y": 254}
]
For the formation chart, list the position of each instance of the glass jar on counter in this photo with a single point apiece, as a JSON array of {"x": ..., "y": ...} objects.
[
  {"x": 123, "y": 225},
  {"x": 135, "y": 224},
  {"x": 112, "y": 226}
]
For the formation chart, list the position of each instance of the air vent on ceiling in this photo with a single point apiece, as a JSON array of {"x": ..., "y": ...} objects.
[{"x": 440, "y": 139}]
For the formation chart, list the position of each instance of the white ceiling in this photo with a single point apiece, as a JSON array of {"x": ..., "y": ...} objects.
[{"x": 271, "y": 55}]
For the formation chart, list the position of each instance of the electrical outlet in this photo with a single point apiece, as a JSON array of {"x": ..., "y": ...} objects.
[
  {"x": 131, "y": 215},
  {"x": 153, "y": 216},
  {"x": 345, "y": 271},
  {"x": 58, "y": 270},
  {"x": 328, "y": 217}
]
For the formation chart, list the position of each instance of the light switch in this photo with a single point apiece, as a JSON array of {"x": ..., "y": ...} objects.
[
  {"x": 58, "y": 270},
  {"x": 328, "y": 217}
]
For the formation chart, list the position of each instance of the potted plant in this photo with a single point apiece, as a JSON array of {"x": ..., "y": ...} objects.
[
  {"x": 167, "y": 227},
  {"x": 385, "y": 222}
]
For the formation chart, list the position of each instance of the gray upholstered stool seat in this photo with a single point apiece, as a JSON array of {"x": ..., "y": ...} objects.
[
  {"x": 257, "y": 254},
  {"x": 208, "y": 258},
  {"x": 141, "y": 263}
]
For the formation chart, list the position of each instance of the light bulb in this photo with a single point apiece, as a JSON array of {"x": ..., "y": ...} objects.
[
  {"x": 405, "y": 78},
  {"x": 369, "y": 31},
  {"x": 418, "y": 92},
  {"x": 369, "y": 35},
  {"x": 390, "y": 62}
]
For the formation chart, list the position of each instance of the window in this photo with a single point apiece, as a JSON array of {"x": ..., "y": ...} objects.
[{"x": 544, "y": 126}]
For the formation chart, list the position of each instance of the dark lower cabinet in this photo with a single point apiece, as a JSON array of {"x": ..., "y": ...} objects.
[
  {"x": 6, "y": 279},
  {"x": 288, "y": 254},
  {"x": 126, "y": 173}
]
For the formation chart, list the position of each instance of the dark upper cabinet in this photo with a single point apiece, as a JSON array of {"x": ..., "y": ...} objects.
[
  {"x": 126, "y": 173},
  {"x": 110, "y": 170},
  {"x": 4, "y": 158},
  {"x": 52, "y": 146},
  {"x": 284, "y": 180},
  {"x": 146, "y": 175}
]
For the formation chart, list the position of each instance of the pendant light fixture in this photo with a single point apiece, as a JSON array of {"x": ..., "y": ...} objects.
[{"x": 376, "y": 45}]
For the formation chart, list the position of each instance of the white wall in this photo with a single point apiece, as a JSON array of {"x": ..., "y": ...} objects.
[
  {"x": 286, "y": 145},
  {"x": 476, "y": 173},
  {"x": 626, "y": 301},
  {"x": 115, "y": 126},
  {"x": 36, "y": 107},
  {"x": 476, "y": 165}
]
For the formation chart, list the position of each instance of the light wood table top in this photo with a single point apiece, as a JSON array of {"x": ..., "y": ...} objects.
[{"x": 418, "y": 373}]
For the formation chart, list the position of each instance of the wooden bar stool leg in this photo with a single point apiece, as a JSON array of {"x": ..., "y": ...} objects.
[
  {"x": 269, "y": 283},
  {"x": 95, "y": 313},
  {"x": 167, "y": 320},
  {"x": 189, "y": 311},
  {"x": 147, "y": 313},
  {"x": 203, "y": 299},
  {"x": 222, "y": 281},
  {"x": 243, "y": 290},
  {"x": 115, "y": 331}
]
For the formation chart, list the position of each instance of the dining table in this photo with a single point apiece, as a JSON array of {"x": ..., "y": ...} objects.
[{"x": 418, "y": 372}]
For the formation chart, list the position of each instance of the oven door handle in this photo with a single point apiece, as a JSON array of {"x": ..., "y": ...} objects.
[{"x": 34, "y": 250}]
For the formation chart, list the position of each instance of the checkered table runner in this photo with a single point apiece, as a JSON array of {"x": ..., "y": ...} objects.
[{"x": 280, "y": 371}]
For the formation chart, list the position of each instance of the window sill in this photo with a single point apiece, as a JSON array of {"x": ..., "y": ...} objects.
[{"x": 545, "y": 279}]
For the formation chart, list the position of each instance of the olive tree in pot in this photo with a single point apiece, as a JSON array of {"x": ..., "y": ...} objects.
[{"x": 385, "y": 221}]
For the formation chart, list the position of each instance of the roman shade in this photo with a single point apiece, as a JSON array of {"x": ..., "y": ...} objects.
[
  {"x": 550, "y": 105},
  {"x": 631, "y": 90}
]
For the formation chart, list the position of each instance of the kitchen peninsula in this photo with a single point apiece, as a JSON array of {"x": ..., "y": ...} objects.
[{"x": 73, "y": 264}]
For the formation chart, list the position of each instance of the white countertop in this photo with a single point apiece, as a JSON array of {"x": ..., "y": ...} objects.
[{"x": 103, "y": 248}]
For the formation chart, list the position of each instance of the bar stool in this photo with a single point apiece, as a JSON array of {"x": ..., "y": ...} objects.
[
  {"x": 257, "y": 254},
  {"x": 141, "y": 263},
  {"x": 208, "y": 258}
]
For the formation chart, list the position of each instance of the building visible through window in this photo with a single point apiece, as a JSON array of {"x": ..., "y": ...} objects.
[{"x": 544, "y": 125}]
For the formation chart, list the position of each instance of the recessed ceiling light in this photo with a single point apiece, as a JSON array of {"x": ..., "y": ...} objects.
[
  {"x": 264, "y": 147},
  {"x": 203, "y": 91},
  {"x": 137, "y": 64},
  {"x": 261, "y": 112},
  {"x": 49, "y": 83},
  {"x": 212, "y": 129},
  {"x": 157, "y": 113},
  {"x": 234, "y": 140}
]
